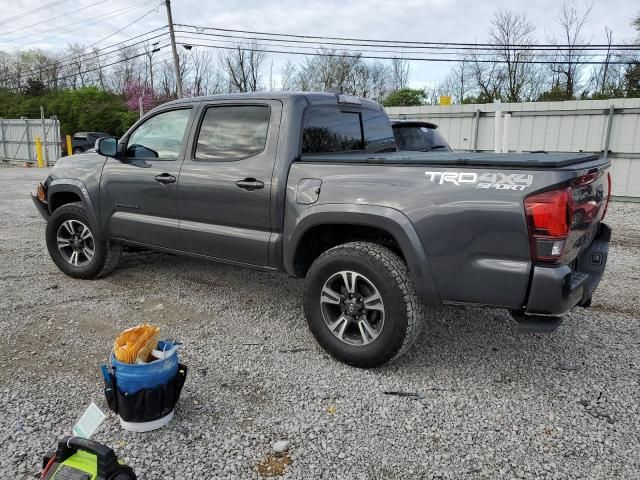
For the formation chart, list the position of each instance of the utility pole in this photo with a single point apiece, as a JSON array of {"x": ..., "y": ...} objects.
[{"x": 176, "y": 61}]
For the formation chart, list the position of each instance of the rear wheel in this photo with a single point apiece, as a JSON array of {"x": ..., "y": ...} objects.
[
  {"x": 74, "y": 247},
  {"x": 361, "y": 305}
]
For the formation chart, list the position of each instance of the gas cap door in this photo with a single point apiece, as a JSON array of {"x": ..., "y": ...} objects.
[{"x": 308, "y": 191}]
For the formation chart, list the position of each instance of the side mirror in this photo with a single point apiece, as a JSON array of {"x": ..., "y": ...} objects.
[{"x": 107, "y": 146}]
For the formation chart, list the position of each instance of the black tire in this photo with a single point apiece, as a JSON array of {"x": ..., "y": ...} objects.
[
  {"x": 106, "y": 253},
  {"x": 403, "y": 312}
]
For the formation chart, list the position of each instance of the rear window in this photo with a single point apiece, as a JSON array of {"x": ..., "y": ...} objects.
[
  {"x": 419, "y": 138},
  {"x": 330, "y": 130}
]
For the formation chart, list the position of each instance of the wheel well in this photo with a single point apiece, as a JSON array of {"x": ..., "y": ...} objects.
[
  {"x": 321, "y": 238},
  {"x": 62, "y": 198}
]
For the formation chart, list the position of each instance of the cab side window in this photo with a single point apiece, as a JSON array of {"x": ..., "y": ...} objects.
[
  {"x": 232, "y": 132},
  {"x": 161, "y": 137}
]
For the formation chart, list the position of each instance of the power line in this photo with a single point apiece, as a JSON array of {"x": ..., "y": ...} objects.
[
  {"x": 86, "y": 56},
  {"x": 49, "y": 20},
  {"x": 320, "y": 46},
  {"x": 90, "y": 55},
  {"x": 108, "y": 15},
  {"x": 123, "y": 28},
  {"x": 100, "y": 67},
  {"x": 436, "y": 44},
  {"x": 31, "y": 12},
  {"x": 455, "y": 50},
  {"x": 418, "y": 59}
]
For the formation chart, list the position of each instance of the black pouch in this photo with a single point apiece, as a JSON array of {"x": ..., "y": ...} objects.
[{"x": 148, "y": 404}]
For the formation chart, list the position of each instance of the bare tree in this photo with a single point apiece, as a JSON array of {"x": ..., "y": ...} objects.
[
  {"x": 512, "y": 36},
  {"x": 149, "y": 50},
  {"x": 289, "y": 80},
  {"x": 129, "y": 69},
  {"x": 243, "y": 66},
  {"x": 399, "y": 73},
  {"x": 570, "y": 58},
  {"x": 206, "y": 76},
  {"x": 459, "y": 83},
  {"x": 348, "y": 71},
  {"x": 608, "y": 79},
  {"x": 167, "y": 87},
  {"x": 329, "y": 70},
  {"x": 379, "y": 79},
  {"x": 369, "y": 80},
  {"x": 487, "y": 77}
]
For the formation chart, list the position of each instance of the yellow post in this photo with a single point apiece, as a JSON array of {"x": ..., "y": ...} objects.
[
  {"x": 39, "y": 153},
  {"x": 69, "y": 152}
]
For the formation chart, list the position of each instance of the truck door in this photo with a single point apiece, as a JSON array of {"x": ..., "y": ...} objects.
[
  {"x": 138, "y": 193},
  {"x": 225, "y": 185}
]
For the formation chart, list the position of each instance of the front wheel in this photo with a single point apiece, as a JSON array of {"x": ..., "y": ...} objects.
[
  {"x": 74, "y": 246},
  {"x": 361, "y": 305}
]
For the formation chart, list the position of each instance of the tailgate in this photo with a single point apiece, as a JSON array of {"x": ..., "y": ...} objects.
[{"x": 569, "y": 242}]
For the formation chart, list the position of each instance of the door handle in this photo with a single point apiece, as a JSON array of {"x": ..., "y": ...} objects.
[
  {"x": 165, "y": 178},
  {"x": 250, "y": 184}
]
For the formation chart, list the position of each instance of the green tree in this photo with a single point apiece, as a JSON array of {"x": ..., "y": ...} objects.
[
  {"x": 556, "y": 93},
  {"x": 84, "y": 109},
  {"x": 632, "y": 72},
  {"x": 632, "y": 79},
  {"x": 405, "y": 97},
  {"x": 35, "y": 88}
]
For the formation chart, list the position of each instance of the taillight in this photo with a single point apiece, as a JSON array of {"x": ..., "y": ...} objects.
[{"x": 549, "y": 215}]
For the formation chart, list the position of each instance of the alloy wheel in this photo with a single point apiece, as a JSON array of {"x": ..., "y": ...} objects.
[
  {"x": 352, "y": 308},
  {"x": 76, "y": 243}
]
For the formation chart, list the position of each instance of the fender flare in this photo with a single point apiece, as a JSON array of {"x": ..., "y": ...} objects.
[
  {"x": 71, "y": 185},
  {"x": 389, "y": 219}
]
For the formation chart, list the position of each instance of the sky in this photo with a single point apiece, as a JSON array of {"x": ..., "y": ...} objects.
[{"x": 408, "y": 20}]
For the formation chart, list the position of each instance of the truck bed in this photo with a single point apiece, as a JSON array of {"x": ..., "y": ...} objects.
[{"x": 538, "y": 160}]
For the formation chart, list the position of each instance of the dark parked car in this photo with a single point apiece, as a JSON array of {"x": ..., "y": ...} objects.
[
  {"x": 84, "y": 141},
  {"x": 418, "y": 136},
  {"x": 311, "y": 184}
]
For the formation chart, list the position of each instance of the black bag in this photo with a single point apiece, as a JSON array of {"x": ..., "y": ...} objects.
[{"x": 148, "y": 404}]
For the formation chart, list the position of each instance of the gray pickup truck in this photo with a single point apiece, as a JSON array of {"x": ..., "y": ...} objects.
[{"x": 312, "y": 184}]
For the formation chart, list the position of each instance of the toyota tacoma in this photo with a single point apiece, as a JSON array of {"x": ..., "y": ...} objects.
[{"x": 312, "y": 184}]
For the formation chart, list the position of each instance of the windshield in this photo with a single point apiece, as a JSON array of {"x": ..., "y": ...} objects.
[{"x": 419, "y": 138}]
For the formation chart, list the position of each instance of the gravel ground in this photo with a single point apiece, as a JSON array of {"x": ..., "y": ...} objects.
[{"x": 485, "y": 401}]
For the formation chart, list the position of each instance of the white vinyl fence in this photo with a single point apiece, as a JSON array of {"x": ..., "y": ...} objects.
[
  {"x": 609, "y": 127},
  {"x": 18, "y": 140}
]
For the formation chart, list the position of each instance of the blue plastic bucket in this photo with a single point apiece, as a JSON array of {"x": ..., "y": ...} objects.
[{"x": 131, "y": 378}]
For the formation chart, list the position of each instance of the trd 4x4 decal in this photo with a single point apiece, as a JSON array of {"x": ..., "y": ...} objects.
[{"x": 498, "y": 181}]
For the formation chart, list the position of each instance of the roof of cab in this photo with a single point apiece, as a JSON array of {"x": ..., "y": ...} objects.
[{"x": 313, "y": 98}]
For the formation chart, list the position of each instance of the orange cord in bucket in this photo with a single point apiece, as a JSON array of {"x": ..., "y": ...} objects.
[{"x": 135, "y": 344}]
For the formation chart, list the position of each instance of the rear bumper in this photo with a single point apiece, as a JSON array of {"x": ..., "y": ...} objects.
[
  {"x": 42, "y": 207},
  {"x": 556, "y": 290}
]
